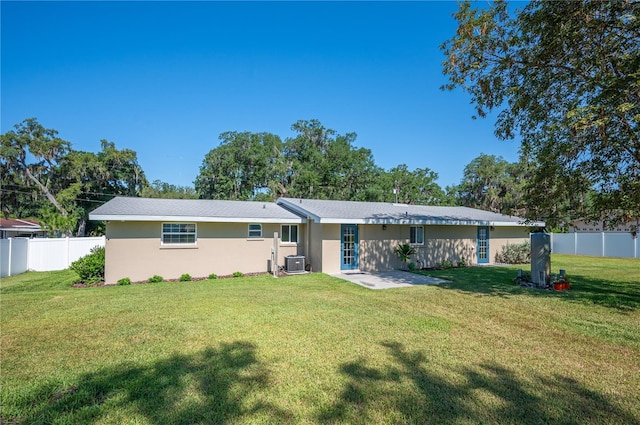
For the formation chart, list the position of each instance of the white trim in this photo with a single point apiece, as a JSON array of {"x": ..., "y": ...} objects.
[
  {"x": 431, "y": 222},
  {"x": 289, "y": 242},
  {"x": 416, "y": 243},
  {"x": 193, "y": 219},
  {"x": 179, "y": 244}
]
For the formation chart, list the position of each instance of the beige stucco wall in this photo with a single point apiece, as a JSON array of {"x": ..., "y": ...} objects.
[
  {"x": 452, "y": 243},
  {"x": 500, "y": 236},
  {"x": 134, "y": 250},
  {"x": 331, "y": 248},
  {"x": 315, "y": 253}
]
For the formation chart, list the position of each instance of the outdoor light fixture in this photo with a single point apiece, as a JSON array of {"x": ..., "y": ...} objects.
[{"x": 384, "y": 227}]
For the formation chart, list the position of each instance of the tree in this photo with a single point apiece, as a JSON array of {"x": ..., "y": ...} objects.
[
  {"x": 30, "y": 156},
  {"x": 316, "y": 163},
  {"x": 494, "y": 184},
  {"x": 43, "y": 177},
  {"x": 240, "y": 168},
  {"x": 94, "y": 178},
  {"x": 419, "y": 186},
  {"x": 160, "y": 189},
  {"x": 565, "y": 77}
]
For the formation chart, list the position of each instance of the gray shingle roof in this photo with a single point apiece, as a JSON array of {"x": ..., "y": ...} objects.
[
  {"x": 386, "y": 213},
  {"x": 203, "y": 210}
]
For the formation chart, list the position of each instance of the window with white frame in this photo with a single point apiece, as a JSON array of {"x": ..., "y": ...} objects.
[
  {"x": 289, "y": 233},
  {"x": 178, "y": 233},
  {"x": 255, "y": 230},
  {"x": 416, "y": 235}
]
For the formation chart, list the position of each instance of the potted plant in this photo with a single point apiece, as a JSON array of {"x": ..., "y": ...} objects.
[{"x": 404, "y": 252}]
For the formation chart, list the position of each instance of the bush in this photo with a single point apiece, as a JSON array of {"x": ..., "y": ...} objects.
[
  {"x": 185, "y": 277},
  {"x": 462, "y": 263},
  {"x": 124, "y": 281},
  {"x": 446, "y": 264},
  {"x": 90, "y": 268},
  {"x": 213, "y": 276},
  {"x": 412, "y": 266},
  {"x": 237, "y": 274},
  {"x": 515, "y": 253},
  {"x": 155, "y": 279}
]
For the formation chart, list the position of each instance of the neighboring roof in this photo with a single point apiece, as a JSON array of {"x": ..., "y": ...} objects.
[
  {"x": 197, "y": 210},
  {"x": 19, "y": 225},
  {"x": 349, "y": 212}
]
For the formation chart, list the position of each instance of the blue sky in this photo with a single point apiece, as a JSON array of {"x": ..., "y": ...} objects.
[{"x": 166, "y": 78}]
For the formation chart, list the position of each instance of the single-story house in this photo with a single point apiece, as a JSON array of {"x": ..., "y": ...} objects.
[
  {"x": 169, "y": 237},
  {"x": 18, "y": 228},
  {"x": 363, "y": 235},
  {"x": 587, "y": 226}
]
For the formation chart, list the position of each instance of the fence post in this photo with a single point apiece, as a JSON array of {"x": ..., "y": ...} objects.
[
  {"x": 67, "y": 259},
  {"x": 10, "y": 249},
  {"x": 603, "y": 243},
  {"x": 575, "y": 243}
]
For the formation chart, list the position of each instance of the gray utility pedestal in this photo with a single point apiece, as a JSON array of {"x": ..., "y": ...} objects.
[{"x": 541, "y": 259}]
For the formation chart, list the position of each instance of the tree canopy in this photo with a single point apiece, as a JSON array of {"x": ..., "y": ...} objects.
[
  {"x": 565, "y": 78},
  {"x": 316, "y": 163},
  {"x": 42, "y": 176}
]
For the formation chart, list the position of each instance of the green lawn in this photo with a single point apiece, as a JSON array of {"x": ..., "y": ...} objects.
[{"x": 316, "y": 349}]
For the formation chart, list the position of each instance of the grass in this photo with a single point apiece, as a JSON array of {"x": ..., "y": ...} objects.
[{"x": 316, "y": 349}]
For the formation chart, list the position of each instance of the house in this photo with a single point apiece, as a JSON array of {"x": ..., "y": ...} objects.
[
  {"x": 587, "y": 226},
  {"x": 17, "y": 228},
  {"x": 363, "y": 235},
  {"x": 169, "y": 237}
]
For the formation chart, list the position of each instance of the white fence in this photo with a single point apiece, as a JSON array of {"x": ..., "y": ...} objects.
[
  {"x": 602, "y": 244},
  {"x": 18, "y": 255}
]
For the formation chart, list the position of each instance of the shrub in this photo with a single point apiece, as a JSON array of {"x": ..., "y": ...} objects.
[
  {"x": 213, "y": 276},
  {"x": 237, "y": 274},
  {"x": 155, "y": 279},
  {"x": 124, "y": 281},
  {"x": 404, "y": 252},
  {"x": 446, "y": 264},
  {"x": 412, "y": 266},
  {"x": 90, "y": 268},
  {"x": 462, "y": 263},
  {"x": 185, "y": 277},
  {"x": 515, "y": 253}
]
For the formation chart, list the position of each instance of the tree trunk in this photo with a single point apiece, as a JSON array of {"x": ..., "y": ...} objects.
[{"x": 44, "y": 189}]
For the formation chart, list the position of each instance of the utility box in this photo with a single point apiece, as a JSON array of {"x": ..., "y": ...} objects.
[
  {"x": 294, "y": 264},
  {"x": 540, "y": 259}
]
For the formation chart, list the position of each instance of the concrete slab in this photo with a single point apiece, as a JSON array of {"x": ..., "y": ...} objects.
[{"x": 386, "y": 280}]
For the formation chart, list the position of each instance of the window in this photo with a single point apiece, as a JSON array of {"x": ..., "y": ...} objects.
[
  {"x": 255, "y": 230},
  {"x": 178, "y": 233},
  {"x": 416, "y": 235},
  {"x": 289, "y": 233}
]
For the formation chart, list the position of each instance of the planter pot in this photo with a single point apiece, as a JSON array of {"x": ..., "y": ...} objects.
[{"x": 558, "y": 286}]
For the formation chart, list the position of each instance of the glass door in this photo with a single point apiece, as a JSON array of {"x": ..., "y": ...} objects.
[
  {"x": 483, "y": 245},
  {"x": 349, "y": 247}
]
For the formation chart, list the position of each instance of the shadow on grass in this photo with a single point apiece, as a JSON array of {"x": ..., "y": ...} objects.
[
  {"x": 498, "y": 281},
  {"x": 487, "y": 393},
  {"x": 211, "y": 387}
]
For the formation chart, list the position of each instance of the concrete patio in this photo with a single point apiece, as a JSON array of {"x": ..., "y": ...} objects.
[{"x": 386, "y": 280}]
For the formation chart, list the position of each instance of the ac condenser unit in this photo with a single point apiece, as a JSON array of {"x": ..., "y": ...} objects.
[{"x": 294, "y": 264}]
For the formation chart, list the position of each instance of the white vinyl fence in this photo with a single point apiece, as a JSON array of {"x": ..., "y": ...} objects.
[
  {"x": 601, "y": 244},
  {"x": 18, "y": 255}
]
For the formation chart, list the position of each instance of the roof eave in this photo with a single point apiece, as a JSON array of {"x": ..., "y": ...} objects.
[
  {"x": 130, "y": 217},
  {"x": 418, "y": 222}
]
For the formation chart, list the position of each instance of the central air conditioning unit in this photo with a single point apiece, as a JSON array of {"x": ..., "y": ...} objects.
[{"x": 294, "y": 264}]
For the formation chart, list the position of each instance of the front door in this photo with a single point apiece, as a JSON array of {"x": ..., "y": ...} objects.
[
  {"x": 349, "y": 247},
  {"x": 483, "y": 245}
]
